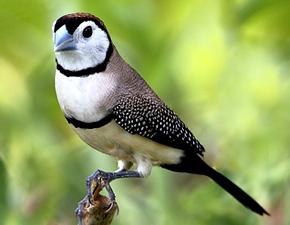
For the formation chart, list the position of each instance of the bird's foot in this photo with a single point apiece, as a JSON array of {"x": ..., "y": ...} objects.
[
  {"x": 100, "y": 179},
  {"x": 104, "y": 178}
]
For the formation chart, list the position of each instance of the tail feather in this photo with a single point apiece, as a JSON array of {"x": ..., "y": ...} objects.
[
  {"x": 194, "y": 164},
  {"x": 236, "y": 191}
]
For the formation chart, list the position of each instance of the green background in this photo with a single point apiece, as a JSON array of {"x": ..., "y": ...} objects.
[{"x": 223, "y": 66}]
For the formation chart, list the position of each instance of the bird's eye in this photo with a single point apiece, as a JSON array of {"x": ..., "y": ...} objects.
[{"x": 87, "y": 32}]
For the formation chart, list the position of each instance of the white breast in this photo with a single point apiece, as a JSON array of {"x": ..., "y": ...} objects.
[{"x": 84, "y": 97}]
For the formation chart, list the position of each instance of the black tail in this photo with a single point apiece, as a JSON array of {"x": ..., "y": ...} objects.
[
  {"x": 198, "y": 166},
  {"x": 236, "y": 191}
]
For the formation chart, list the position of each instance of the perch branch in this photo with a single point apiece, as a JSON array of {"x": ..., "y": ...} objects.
[{"x": 99, "y": 210}]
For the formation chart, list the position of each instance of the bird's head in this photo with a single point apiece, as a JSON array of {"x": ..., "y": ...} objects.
[{"x": 81, "y": 42}]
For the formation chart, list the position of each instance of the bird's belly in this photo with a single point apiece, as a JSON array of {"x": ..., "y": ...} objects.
[{"x": 111, "y": 139}]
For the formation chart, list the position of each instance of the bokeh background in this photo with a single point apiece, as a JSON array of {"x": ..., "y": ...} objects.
[{"x": 223, "y": 66}]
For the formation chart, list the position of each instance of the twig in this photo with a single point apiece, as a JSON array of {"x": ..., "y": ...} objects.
[{"x": 99, "y": 210}]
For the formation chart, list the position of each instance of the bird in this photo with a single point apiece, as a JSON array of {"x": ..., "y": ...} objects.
[{"x": 114, "y": 110}]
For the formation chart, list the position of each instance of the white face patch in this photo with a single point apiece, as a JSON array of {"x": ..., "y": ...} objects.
[{"x": 89, "y": 52}]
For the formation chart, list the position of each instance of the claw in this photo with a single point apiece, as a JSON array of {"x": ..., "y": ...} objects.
[
  {"x": 111, "y": 193},
  {"x": 113, "y": 205},
  {"x": 89, "y": 188},
  {"x": 79, "y": 210},
  {"x": 101, "y": 179}
]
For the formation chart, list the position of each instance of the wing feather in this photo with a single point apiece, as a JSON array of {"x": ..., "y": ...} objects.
[{"x": 154, "y": 120}]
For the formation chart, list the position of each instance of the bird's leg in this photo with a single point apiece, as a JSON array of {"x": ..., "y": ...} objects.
[
  {"x": 144, "y": 166},
  {"x": 106, "y": 177},
  {"x": 123, "y": 165}
]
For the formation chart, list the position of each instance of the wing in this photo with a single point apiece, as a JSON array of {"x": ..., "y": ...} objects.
[{"x": 154, "y": 120}]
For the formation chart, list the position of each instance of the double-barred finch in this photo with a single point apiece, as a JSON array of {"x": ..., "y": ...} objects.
[{"x": 113, "y": 109}]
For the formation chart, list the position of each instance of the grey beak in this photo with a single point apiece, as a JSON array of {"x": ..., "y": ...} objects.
[{"x": 63, "y": 41}]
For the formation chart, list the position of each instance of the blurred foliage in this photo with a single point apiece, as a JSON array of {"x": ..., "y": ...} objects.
[{"x": 223, "y": 66}]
